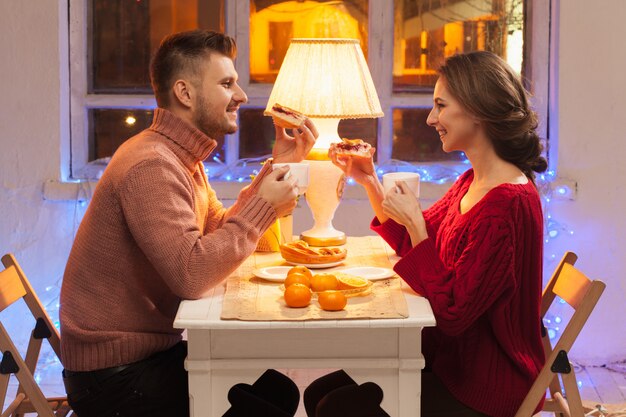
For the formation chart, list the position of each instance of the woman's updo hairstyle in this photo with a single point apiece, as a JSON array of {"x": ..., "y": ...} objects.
[{"x": 490, "y": 90}]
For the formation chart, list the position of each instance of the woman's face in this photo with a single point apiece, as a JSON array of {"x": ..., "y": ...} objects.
[{"x": 456, "y": 126}]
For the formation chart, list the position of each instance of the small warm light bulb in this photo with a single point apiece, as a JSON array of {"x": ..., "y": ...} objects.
[{"x": 130, "y": 120}]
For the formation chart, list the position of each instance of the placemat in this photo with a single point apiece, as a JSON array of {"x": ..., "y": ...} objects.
[{"x": 252, "y": 299}]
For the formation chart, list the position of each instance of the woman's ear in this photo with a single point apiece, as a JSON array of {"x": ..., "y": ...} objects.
[{"x": 183, "y": 92}]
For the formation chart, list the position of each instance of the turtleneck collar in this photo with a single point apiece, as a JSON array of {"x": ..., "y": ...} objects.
[{"x": 196, "y": 145}]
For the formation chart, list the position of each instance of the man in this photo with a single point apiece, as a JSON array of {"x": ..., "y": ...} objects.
[{"x": 155, "y": 233}]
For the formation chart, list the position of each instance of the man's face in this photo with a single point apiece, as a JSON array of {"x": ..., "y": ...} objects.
[{"x": 218, "y": 97}]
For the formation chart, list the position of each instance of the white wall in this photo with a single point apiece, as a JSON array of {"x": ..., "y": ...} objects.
[
  {"x": 591, "y": 147},
  {"x": 591, "y": 94}
]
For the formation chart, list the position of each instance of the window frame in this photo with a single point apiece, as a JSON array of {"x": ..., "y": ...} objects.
[{"x": 537, "y": 69}]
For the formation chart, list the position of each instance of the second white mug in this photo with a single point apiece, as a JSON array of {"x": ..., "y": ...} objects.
[{"x": 412, "y": 179}]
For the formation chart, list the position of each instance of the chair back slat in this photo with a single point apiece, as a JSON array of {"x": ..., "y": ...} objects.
[
  {"x": 572, "y": 285},
  {"x": 548, "y": 293},
  {"x": 11, "y": 287}
]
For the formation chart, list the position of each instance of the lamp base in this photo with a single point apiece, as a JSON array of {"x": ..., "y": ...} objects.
[
  {"x": 339, "y": 239},
  {"x": 326, "y": 184}
]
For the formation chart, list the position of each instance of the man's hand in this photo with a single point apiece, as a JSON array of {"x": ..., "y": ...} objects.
[
  {"x": 281, "y": 193},
  {"x": 294, "y": 148}
]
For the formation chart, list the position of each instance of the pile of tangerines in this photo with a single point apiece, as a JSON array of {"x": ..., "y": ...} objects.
[{"x": 301, "y": 283}]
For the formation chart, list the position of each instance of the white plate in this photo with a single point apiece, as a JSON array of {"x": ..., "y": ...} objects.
[
  {"x": 316, "y": 266},
  {"x": 272, "y": 273},
  {"x": 373, "y": 273}
]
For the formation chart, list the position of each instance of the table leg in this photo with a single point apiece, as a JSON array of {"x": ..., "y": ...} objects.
[
  {"x": 198, "y": 365},
  {"x": 410, "y": 372}
]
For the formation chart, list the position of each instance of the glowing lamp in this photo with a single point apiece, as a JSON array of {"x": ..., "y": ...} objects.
[{"x": 327, "y": 80}]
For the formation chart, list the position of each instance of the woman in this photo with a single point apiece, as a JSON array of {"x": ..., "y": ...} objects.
[{"x": 476, "y": 254}]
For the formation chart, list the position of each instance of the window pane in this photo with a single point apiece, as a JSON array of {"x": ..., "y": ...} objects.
[
  {"x": 109, "y": 128},
  {"x": 415, "y": 141},
  {"x": 273, "y": 23},
  {"x": 365, "y": 129},
  {"x": 427, "y": 32},
  {"x": 256, "y": 132},
  {"x": 124, "y": 34}
]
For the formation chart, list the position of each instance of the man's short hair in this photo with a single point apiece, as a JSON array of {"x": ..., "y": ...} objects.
[{"x": 180, "y": 54}]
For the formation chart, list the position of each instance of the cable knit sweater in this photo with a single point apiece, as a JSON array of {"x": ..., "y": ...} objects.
[
  {"x": 153, "y": 234},
  {"x": 481, "y": 271}
]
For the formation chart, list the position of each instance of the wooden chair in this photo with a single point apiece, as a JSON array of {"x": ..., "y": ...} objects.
[
  {"x": 581, "y": 294},
  {"x": 28, "y": 398}
]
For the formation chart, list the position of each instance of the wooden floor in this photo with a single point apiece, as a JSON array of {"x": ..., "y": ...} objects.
[{"x": 601, "y": 385}]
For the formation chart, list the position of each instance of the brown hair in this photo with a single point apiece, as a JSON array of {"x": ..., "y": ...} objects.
[
  {"x": 181, "y": 53},
  {"x": 490, "y": 90}
]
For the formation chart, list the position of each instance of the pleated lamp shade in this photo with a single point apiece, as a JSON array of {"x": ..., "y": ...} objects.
[{"x": 326, "y": 78}]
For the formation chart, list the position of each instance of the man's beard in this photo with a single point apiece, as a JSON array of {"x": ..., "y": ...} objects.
[{"x": 211, "y": 125}]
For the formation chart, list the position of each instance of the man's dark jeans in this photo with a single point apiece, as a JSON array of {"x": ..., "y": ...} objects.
[{"x": 154, "y": 387}]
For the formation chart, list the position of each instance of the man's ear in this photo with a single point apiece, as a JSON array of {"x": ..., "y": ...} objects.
[{"x": 183, "y": 92}]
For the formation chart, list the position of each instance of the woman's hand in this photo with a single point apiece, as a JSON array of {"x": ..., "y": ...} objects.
[
  {"x": 360, "y": 168},
  {"x": 401, "y": 205},
  {"x": 294, "y": 148}
]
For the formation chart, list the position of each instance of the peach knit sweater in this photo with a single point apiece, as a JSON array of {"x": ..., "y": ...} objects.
[{"x": 154, "y": 234}]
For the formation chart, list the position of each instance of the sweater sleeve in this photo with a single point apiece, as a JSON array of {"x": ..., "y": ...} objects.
[
  {"x": 462, "y": 292},
  {"x": 249, "y": 191},
  {"x": 157, "y": 201}
]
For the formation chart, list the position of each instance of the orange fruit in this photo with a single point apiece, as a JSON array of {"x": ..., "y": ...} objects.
[
  {"x": 300, "y": 269},
  {"x": 297, "y": 295},
  {"x": 332, "y": 300},
  {"x": 349, "y": 282},
  {"x": 297, "y": 278},
  {"x": 323, "y": 282}
]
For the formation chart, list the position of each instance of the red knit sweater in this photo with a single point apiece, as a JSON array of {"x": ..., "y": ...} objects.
[
  {"x": 153, "y": 234},
  {"x": 482, "y": 274}
]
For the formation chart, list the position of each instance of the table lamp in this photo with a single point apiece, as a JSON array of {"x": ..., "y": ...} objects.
[{"x": 327, "y": 80}]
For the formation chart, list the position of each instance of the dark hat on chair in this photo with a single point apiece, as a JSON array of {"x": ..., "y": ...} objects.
[
  {"x": 352, "y": 401},
  {"x": 272, "y": 395},
  {"x": 323, "y": 385},
  {"x": 336, "y": 394}
]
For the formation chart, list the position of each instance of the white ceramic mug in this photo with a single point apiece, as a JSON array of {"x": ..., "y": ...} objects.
[
  {"x": 300, "y": 170},
  {"x": 412, "y": 179}
]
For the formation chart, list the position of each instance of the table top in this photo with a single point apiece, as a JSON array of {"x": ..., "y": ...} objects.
[{"x": 205, "y": 313}]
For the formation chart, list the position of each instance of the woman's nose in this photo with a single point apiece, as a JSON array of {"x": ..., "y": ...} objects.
[{"x": 431, "y": 120}]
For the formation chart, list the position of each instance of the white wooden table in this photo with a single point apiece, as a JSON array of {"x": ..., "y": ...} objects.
[{"x": 223, "y": 353}]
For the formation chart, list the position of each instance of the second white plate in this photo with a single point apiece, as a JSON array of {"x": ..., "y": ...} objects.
[
  {"x": 272, "y": 273},
  {"x": 373, "y": 273}
]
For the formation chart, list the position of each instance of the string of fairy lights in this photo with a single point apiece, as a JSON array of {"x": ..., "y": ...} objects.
[{"x": 241, "y": 171}]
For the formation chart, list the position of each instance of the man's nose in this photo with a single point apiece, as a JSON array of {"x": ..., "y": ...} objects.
[{"x": 240, "y": 96}]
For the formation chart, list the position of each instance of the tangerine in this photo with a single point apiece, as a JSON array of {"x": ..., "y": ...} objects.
[
  {"x": 297, "y": 278},
  {"x": 297, "y": 295},
  {"x": 348, "y": 282},
  {"x": 332, "y": 300},
  {"x": 323, "y": 282},
  {"x": 301, "y": 269}
]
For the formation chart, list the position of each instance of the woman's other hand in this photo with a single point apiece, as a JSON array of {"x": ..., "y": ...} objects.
[
  {"x": 294, "y": 148},
  {"x": 360, "y": 168},
  {"x": 401, "y": 205}
]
